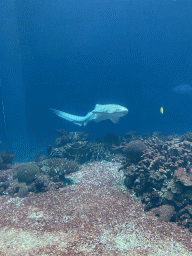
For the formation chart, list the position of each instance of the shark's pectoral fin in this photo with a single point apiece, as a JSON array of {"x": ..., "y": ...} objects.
[
  {"x": 114, "y": 120},
  {"x": 80, "y": 124}
]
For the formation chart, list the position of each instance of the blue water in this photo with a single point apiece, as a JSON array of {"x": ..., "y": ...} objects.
[{"x": 71, "y": 55}]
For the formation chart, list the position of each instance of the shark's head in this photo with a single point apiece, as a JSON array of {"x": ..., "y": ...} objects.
[{"x": 117, "y": 109}]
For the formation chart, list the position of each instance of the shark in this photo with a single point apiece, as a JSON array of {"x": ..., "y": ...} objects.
[{"x": 99, "y": 113}]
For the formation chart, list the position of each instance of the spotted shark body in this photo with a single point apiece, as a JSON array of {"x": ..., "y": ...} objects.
[{"x": 100, "y": 113}]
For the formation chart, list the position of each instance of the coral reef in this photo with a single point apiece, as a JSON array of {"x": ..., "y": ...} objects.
[
  {"x": 49, "y": 173},
  {"x": 163, "y": 178},
  {"x": 156, "y": 166},
  {"x": 75, "y": 146},
  {"x": 42, "y": 176},
  {"x": 70, "y": 137}
]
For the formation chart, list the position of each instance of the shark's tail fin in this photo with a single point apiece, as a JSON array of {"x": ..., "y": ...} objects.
[
  {"x": 79, "y": 120},
  {"x": 59, "y": 113}
]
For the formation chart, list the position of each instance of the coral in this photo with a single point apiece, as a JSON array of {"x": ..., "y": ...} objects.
[
  {"x": 36, "y": 177},
  {"x": 185, "y": 217},
  {"x": 78, "y": 151},
  {"x": 163, "y": 176},
  {"x": 7, "y": 157},
  {"x": 27, "y": 172},
  {"x": 134, "y": 150},
  {"x": 40, "y": 158},
  {"x": 183, "y": 176},
  {"x": 187, "y": 136},
  {"x": 57, "y": 168},
  {"x": 77, "y": 146},
  {"x": 81, "y": 151},
  {"x": 71, "y": 137},
  {"x": 63, "y": 139}
]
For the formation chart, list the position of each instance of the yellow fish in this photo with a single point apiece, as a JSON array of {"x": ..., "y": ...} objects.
[{"x": 161, "y": 110}]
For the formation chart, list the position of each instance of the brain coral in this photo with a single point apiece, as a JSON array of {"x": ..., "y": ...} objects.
[
  {"x": 134, "y": 150},
  {"x": 27, "y": 172}
]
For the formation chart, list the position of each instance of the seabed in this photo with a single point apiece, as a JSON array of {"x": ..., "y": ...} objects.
[{"x": 95, "y": 216}]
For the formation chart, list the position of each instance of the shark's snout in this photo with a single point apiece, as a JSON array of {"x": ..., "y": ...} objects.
[{"x": 125, "y": 110}]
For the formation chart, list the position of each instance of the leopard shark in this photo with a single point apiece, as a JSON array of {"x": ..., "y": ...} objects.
[{"x": 99, "y": 113}]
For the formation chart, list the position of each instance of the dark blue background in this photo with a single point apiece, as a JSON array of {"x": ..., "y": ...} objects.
[{"x": 71, "y": 55}]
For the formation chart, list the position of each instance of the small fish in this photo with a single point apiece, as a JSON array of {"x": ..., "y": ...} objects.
[
  {"x": 161, "y": 110},
  {"x": 183, "y": 89}
]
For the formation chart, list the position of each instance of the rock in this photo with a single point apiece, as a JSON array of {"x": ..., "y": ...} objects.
[
  {"x": 183, "y": 176},
  {"x": 23, "y": 190},
  {"x": 165, "y": 212}
]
